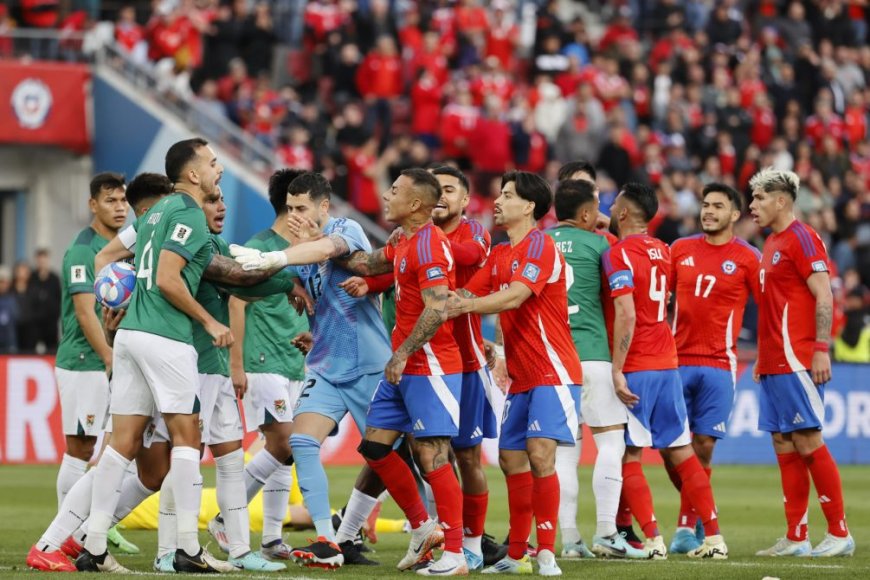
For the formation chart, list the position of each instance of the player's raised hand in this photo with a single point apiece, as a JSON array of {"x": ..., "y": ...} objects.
[
  {"x": 628, "y": 398},
  {"x": 303, "y": 341},
  {"x": 821, "y": 367},
  {"x": 253, "y": 259},
  {"x": 301, "y": 300},
  {"x": 221, "y": 334},
  {"x": 394, "y": 369},
  {"x": 112, "y": 318},
  {"x": 302, "y": 228},
  {"x": 356, "y": 286}
]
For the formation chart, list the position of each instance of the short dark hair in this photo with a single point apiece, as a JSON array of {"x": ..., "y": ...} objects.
[
  {"x": 453, "y": 172},
  {"x": 180, "y": 155},
  {"x": 107, "y": 180},
  {"x": 643, "y": 197},
  {"x": 734, "y": 195},
  {"x": 278, "y": 184},
  {"x": 571, "y": 195},
  {"x": 572, "y": 167},
  {"x": 147, "y": 185},
  {"x": 314, "y": 184},
  {"x": 425, "y": 182},
  {"x": 531, "y": 187}
]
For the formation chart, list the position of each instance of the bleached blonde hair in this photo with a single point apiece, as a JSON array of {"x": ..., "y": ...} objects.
[{"x": 770, "y": 179}]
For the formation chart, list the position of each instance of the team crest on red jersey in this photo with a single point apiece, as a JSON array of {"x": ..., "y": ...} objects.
[
  {"x": 514, "y": 265},
  {"x": 403, "y": 265},
  {"x": 776, "y": 257},
  {"x": 729, "y": 267}
]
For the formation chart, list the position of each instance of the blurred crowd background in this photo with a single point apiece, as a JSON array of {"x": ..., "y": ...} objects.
[{"x": 674, "y": 93}]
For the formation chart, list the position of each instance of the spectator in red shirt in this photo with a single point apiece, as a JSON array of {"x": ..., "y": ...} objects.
[
  {"x": 295, "y": 152},
  {"x": 619, "y": 31},
  {"x": 237, "y": 77},
  {"x": 502, "y": 38},
  {"x": 856, "y": 119},
  {"x": 129, "y": 35},
  {"x": 426, "y": 95},
  {"x": 362, "y": 175},
  {"x": 763, "y": 121},
  {"x": 431, "y": 57},
  {"x": 458, "y": 123},
  {"x": 824, "y": 122},
  {"x": 490, "y": 143},
  {"x": 379, "y": 80}
]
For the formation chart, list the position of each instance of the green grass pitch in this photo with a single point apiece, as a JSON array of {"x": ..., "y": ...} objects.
[{"x": 749, "y": 500}]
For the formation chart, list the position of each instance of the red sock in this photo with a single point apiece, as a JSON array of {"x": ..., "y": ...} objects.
[
  {"x": 520, "y": 506},
  {"x": 397, "y": 476},
  {"x": 696, "y": 485},
  {"x": 638, "y": 496},
  {"x": 796, "y": 493},
  {"x": 474, "y": 513},
  {"x": 826, "y": 478},
  {"x": 545, "y": 504},
  {"x": 448, "y": 502},
  {"x": 623, "y": 513}
]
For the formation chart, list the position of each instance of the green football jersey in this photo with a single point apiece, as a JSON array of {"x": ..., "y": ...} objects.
[
  {"x": 74, "y": 353},
  {"x": 270, "y": 325},
  {"x": 582, "y": 251},
  {"x": 388, "y": 309},
  {"x": 212, "y": 360},
  {"x": 176, "y": 224}
]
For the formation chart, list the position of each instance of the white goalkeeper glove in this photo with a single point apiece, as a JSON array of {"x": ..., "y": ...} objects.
[{"x": 252, "y": 259}]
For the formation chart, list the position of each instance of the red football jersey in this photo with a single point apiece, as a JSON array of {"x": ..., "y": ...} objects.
[
  {"x": 537, "y": 340},
  {"x": 711, "y": 284},
  {"x": 641, "y": 265},
  {"x": 466, "y": 328},
  {"x": 419, "y": 262},
  {"x": 786, "y": 307}
]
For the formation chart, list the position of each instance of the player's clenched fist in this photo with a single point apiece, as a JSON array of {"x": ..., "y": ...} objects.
[
  {"x": 253, "y": 259},
  {"x": 395, "y": 367},
  {"x": 221, "y": 334}
]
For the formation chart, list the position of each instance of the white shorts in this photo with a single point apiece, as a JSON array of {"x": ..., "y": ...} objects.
[
  {"x": 270, "y": 398},
  {"x": 84, "y": 401},
  {"x": 153, "y": 374},
  {"x": 219, "y": 418},
  {"x": 598, "y": 401},
  {"x": 156, "y": 431}
]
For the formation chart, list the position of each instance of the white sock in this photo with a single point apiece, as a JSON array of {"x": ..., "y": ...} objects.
[
  {"x": 607, "y": 479},
  {"x": 567, "y": 459},
  {"x": 105, "y": 493},
  {"x": 73, "y": 512},
  {"x": 231, "y": 501},
  {"x": 276, "y": 493},
  {"x": 187, "y": 489},
  {"x": 71, "y": 470},
  {"x": 359, "y": 506},
  {"x": 257, "y": 471},
  {"x": 167, "y": 528},
  {"x": 472, "y": 544},
  {"x": 133, "y": 492}
]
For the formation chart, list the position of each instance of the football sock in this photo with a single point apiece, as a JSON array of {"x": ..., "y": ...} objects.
[
  {"x": 520, "y": 507},
  {"x": 71, "y": 470},
  {"x": 313, "y": 483},
  {"x": 448, "y": 502},
  {"x": 696, "y": 485},
  {"x": 826, "y": 477},
  {"x": 257, "y": 471},
  {"x": 133, "y": 492},
  {"x": 167, "y": 527},
  {"x": 359, "y": 506},
  {"x": 473, "y": 520},
  {"x": 105, "y": 493},
  {"x": 72, "y": 514},
  {"x": 638, "y": 497},
  {"x": 796, "y": 494},
  {"x": 396, "y": 475},
  {"x": 567, "y": 460},
  {"x": 545, "y": 505},
  {"x": 276, "y": 494},
  {"x": 231, "y": 501},
  {"x": 187, "y": 489},
  {"x": 607, "y": 480}
]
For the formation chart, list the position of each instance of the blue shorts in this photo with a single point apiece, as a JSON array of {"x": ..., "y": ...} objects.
[
  {"x": 549, "y": 412},
  {"x": 476, "y": 418},
  {"x": 790, "y": 402},
  {"x": 709, "y": 394},
  {"x": 335, "y": 400},
  {"x": 426, "y": 406},
  {"x": 659, "y": 419}
]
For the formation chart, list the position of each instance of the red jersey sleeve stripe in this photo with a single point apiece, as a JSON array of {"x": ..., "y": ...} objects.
[
  {"x": 750, "y": 247},
  {"x": 423, "y": 247},
  {"x": 803, "y": 237},
  {"x": 536, "y": 246}
]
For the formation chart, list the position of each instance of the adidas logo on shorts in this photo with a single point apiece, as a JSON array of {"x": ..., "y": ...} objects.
[
  {"x": 534, "y": 426},
  {"x": 477, "y": 433},
  {"x": 418, "y": 426},
  {"x": 797, "y": 419},
  {"x": 720, "y": 427}
]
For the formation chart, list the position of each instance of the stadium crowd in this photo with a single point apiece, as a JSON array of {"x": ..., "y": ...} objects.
[{"x": 669, "y": 93}]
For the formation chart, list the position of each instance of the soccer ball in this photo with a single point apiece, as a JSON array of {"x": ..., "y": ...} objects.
[{"x": 114, "y": 284}]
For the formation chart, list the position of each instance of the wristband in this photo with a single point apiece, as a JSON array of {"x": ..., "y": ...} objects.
[
  {"x": 819, "y": 346},
  {"x": 499, "y": 350}
]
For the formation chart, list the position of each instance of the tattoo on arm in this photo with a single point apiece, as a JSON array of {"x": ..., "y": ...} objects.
[
  {"x": 465, "y": 293},
  {"x": 365, "y": 264},
  {"x": 224, "y": 270},
  {"x": 433, "y": 316},
  {"x": 824, "y": 316},
  {"x": 341, "y": 248},
  {"x": 625, "y": 343}
]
